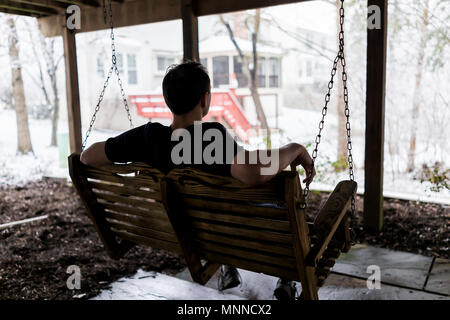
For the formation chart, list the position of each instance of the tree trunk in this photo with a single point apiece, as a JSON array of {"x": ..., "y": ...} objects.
[
  {"x": 417, "y": 91},
  {"x": 252, "y": 74},
  {"x": 23, "y": 131},
  {"x": 55, "y": 116},
  {"x": 254, "y": 80},
  {"x": 342, "y": 131},
  {"x": 53, "y": 67},
  {"x": 259, "y": 110}
]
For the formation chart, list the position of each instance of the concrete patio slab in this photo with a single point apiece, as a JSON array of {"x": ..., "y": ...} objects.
[
  {"x": 397, "y": 268},
  {"x": 439, "y": 278},
  {"x": 257, "y": 286},
  {"x": 403, "y": 277},
  {"x": 338, "y": 287}
]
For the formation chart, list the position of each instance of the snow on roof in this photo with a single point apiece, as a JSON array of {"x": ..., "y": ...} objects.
[{"x": 223, "y": 44}]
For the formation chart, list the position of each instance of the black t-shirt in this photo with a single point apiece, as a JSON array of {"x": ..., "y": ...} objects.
[{"x": 206, "y": 146}]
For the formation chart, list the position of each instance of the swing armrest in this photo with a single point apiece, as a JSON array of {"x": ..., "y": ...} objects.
[{"x": 330, "y": 217}]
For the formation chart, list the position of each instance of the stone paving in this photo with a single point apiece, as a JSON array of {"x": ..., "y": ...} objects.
[
  {"x": 404, "y": 276},
  {"x": 397, "y": 268}
]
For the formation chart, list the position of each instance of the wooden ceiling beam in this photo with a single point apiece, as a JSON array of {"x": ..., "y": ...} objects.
[
  {"x": 90, "y": 3},
  {"x": 129, "y": 13},
  {"x": 20, "y": 12},
  {"x": 31, "y": 8},
  {"x": 45, "y": 3},
  {"x": 208, "y": 7}
]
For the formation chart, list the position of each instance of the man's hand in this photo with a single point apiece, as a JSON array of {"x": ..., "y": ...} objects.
[{"x": 304, "y": 159}]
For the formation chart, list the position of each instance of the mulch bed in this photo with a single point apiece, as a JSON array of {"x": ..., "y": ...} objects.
[{"x": 34, "y": 257}]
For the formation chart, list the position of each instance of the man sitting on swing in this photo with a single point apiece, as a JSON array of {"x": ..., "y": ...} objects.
[{"x": 187, "y": 93}]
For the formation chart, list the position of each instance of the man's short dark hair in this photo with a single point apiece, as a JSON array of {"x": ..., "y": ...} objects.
[{"x": 183, "y": 85}]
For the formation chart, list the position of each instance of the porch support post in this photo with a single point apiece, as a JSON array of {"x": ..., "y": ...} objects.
[
  {"x": 375, "y": 102},
  {"x": 190, "y": 30},
  {"x": 72, "y": 89}
]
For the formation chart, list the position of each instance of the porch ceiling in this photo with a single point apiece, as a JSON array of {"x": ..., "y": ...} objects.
[{"x": 51, "y": 13}]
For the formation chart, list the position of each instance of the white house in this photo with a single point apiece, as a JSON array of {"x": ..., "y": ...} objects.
[{"x": 288, "y": 69}]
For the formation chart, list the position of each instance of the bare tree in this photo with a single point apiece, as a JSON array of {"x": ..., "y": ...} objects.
[
  {"x": 23, "y": 131},
  {"x": 52, "y": 61},
  {"x": 319, "y": 51},
  {"x": 6, "y": 97},
  {"x": 251, "y": 72},
  {"x": 417, "y": 93}
]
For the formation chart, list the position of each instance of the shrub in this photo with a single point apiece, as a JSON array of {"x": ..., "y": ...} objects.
[{"x": 438, "y": 175}]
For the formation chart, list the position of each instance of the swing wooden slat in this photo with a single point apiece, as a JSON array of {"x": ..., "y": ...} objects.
[
  {"x": 269, "y": 224},
  {"x": 258, "y": 245},
  {"x": 251, "y": 265},
  {"x": 144, "y": 231},
  {"x": 218, "y": 219},
  {"x": 244, "y": 209},
  {"x": 148, "y": 241},
  {"x": 149, "y": 223}
]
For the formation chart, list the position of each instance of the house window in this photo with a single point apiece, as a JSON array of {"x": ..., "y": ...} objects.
[
  {"x": 261, "y": 72},
  {"x": 100, "y": 66},
  {"x": 274, "y": 72},
  {"x": 164, "y": 62},
  {"x": 308, "y": 68},
  {"x": 132, "y": 70},
  {"x": 220, "y": 71},
  {"x": 204, "y": 62},
  {"x": 241, "y": 78},
  {"x": 119, "y": 62}
]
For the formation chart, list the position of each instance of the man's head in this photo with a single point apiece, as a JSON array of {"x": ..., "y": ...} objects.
[{"x": 185, "y": 86}]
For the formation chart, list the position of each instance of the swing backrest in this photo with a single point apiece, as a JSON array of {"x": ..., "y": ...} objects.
[
  {"x": 228, "y": 222},
  {"x": 124, "y": 203},
  {"x": 217, "y": 218},
  {"x": 214, "y": 218}
]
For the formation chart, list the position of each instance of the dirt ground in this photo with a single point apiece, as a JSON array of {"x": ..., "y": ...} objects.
[{"x": 34, "y": 257}]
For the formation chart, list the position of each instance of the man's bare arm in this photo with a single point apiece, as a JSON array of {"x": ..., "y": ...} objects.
[
  {"x": 95, "y": 155},
  {"x": 292, "y": 154}
]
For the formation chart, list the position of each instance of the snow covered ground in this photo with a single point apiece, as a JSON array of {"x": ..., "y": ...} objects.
[
  {"x": 299, "y": 125},
  {"x": 16, "y": 168}
]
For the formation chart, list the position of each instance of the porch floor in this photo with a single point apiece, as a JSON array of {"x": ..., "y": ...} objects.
[{"x": 404, "y": 276}]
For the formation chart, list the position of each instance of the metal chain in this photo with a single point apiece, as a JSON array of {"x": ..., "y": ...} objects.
[
  {"x": 340, "y": 57},
  {"x": 347, "y": 123},
  {"x": 111, "y": 69},
  {"x": 321, "y": 126}
]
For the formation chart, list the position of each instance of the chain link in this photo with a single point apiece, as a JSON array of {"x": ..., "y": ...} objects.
[
  {"x": 112, "y": 69},
  {"x": 339, "y": 57}
]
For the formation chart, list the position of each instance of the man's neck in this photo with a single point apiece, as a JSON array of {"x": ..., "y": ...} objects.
[{"x": 186, "y": 120}]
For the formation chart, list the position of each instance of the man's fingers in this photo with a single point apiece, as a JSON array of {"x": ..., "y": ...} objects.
[{"x": 309, "y": 176}]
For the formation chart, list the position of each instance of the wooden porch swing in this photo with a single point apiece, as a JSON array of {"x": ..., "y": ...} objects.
[{"x": 212, "y": 220}]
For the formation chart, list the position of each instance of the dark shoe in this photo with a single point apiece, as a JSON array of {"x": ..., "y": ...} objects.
[
  {"x": 285, "y": 290},
  {"x": 229, "y": 278}
]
